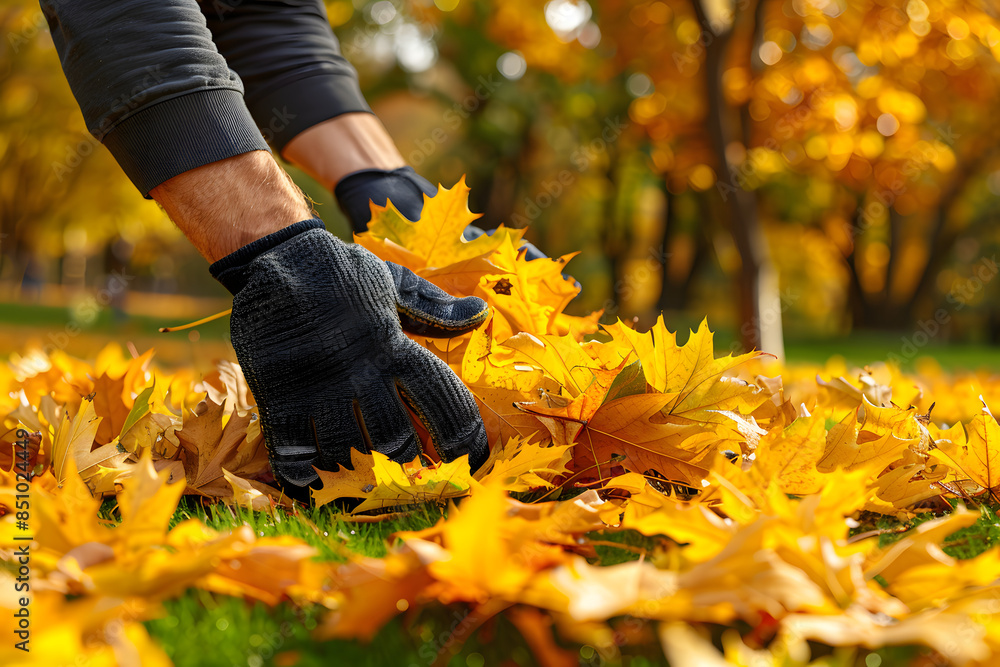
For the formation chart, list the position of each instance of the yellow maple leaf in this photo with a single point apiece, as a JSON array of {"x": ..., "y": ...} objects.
[
  {"x": 520, "y": 465},
  {"x": 630, "y": 431},
  {"x": 396, "y": 486},
  {"x": 356, "y": 482},
  {"x": 251, "y": 494},
  {"x": 906, "y": 485},
  {"x": 534, "y": 296},
  {"x": 638, "y": 426},
  {"x": 882, "y": 436},
  {"x": 691, "y": 373},
  {"x": 383, "y": 483},
  {"x": 491, "y": 545},
  {"x": 67, "y": 517},
  {"x": 789, "y": 456},
  {"x": 435, "y": 240},
  {"x": 116, "y": 381},
  {"x": 492, "y": 366},
  {"x": 701, "y": 532},
  {"x": 561, "y": 358},
  {"x": 74, "y": 438},
  {"x": 147, "y": 502},
  {"x": 982, "y": 463},
  {"x": 210, "y": 442}
]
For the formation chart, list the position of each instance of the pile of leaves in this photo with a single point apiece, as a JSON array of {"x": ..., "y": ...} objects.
[{"x": 759, "y": 486}]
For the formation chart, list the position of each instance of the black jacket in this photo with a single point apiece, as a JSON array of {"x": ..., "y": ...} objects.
[{"x": 172, "y": 85}]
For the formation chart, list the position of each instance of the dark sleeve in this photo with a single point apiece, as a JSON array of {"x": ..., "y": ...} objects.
[
  {"x": 289, "y": 60},
  {"x": 152, "y": 86}
]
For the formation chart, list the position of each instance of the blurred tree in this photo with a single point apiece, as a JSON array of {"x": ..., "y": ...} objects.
[
  {"x": 891, "y": 103},
  {"x": 673, "y": 56},
  {"x": 677, "y": 143},
  {"x": 62, "y": 198}
]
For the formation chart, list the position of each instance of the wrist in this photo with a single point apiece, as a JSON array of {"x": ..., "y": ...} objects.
[
  {"x": 343, "y": 145},
  {"x": 231, "y": 270},
  {"x": 225, "y": 205}
]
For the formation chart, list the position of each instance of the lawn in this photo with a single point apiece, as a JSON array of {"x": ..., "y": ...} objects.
[
  {"x": 253, "y": 634},
  {"x": 199, "y": 627}
]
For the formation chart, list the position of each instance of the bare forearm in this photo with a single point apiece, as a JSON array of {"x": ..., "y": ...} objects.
[
  {"x": 222, "y": 206},
  {"x": 342, "y": 145}
]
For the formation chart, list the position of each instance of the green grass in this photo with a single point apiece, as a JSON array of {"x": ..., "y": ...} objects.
[
  {"x": 634, "y": 545},
  {"x": 323, "y": 528},
  {"x": 969, "y": 542},
  {"x": 200, "y": 628},
  {"x": 107, "y": 321},
  {"x": 203, "y": 629},
  {"x": 863, "y": 348}
]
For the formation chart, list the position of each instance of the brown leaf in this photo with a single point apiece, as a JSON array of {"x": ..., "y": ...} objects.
[
  {"x": 502, "y": 286},
  {"x": 209, "y": 445}
]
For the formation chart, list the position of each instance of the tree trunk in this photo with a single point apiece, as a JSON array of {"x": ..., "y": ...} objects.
[
  {"x": 880, "y": 311},
  {"x": 942, "y": 238},
  {"x": 758, "y": 290},
  {"x": 676, "y": 294},
  {"x": 877, "y": 311}
]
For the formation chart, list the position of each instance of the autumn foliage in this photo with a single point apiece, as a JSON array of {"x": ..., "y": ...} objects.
[{"x": 753, "y": 479}]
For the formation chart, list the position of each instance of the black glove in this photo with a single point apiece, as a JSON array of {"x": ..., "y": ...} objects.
[
  {"x": 316, "y": 326},
  {"x": 405, "y": 188}
]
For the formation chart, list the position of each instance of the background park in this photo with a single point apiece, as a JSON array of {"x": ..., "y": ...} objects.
[{"x": 820, "y": 179}]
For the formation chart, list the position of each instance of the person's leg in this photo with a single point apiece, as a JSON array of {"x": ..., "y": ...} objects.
[{"x": 154, "y": 89}]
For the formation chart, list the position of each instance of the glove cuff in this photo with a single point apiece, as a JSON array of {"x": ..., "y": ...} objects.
[
  {"x": 231, "y": 269},
  {"x": 402, "y": 186},
  {"x": 364, "y": 177}
]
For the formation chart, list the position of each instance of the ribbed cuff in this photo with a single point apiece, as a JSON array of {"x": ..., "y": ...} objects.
[
  {"x": 231, "y": 269},
  {"x": 181, "y": 133},
  {"x": 284, "y": 112}
]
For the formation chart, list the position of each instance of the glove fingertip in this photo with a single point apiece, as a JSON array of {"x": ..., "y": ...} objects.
[
  {"x": 463, "y": 316},
  {"x": 478, "y": 447}
]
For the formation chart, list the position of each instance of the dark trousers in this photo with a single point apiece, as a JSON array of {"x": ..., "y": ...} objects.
[{"x": 170, "y": 85}]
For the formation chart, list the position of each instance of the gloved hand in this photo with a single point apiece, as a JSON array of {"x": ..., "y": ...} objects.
[
  {"x": 317, "y": 327},
  {"x": 405, "y": 188}
]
